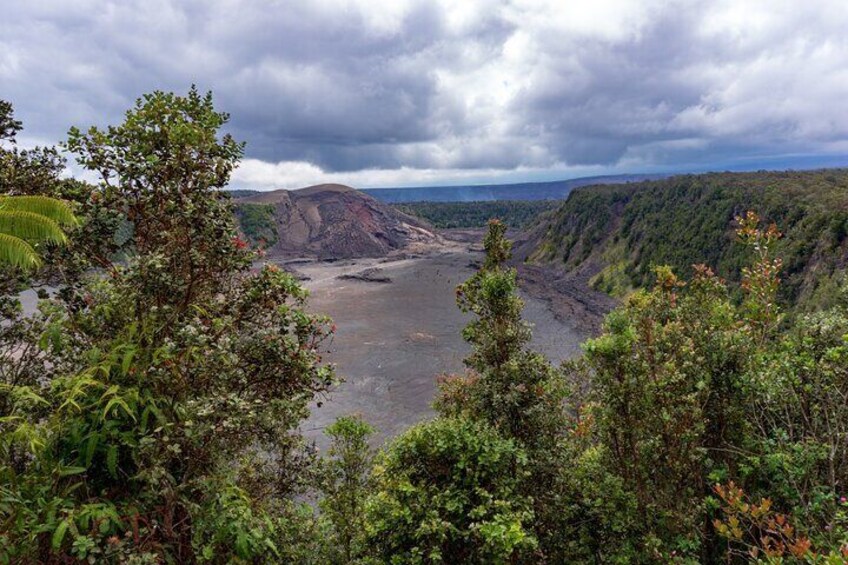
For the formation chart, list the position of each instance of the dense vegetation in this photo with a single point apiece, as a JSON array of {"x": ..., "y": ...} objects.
[
  {"x": 239, "y": 193},
  {"x": 257, "y": 223},
  {"x": 149, "y": 410},
  {"x": 514, "y": 213},
  {"x": 625, "y": 231}
]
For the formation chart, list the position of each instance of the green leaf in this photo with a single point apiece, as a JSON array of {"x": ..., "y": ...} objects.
[
  {"x": 59, "y": 534},
  {"x": 91, "y": 448},
  {"x": 153, "y": 409},
  {"x": 118, "y": 401},
  {"x": 112, "y": 460},
  {"x": 272, "y": 546},
  {"x": 26, "y": 220},
  {"x": 241, "y": 546},
  {"x": 68, "y": 471},
  {"x": 56, "y": 210},
  {"x": 30, "y": 227},
  {"x": 18, "y": 253},
  {"x": 126, "y": 363}
]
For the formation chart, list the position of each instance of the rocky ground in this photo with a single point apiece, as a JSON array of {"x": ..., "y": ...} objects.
[
  {"x": 569, "y": 297},
  {"x": 395, "y": 337},
  {"x": 333, "y": 221}
]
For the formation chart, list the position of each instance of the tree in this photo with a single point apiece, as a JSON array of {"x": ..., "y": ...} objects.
[
  {"x": 25, "y": 171},
  {"x": 164, "y": 168},
  {"x": 154, "y": 419},
  {"x": 667, "y": 404},
  {"x": 344, "y": 482},
  {"x": 447, "y": 491},
  {"x": 510, "y": 387},
  {"x": 9, "y": 126},
  {"x": 796, "y": 453},
  {"x": 674, "y": 378}
]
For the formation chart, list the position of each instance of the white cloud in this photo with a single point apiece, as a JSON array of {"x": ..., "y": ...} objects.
[
  {"x": 262, "y": 175},
  {"x": 414, "y": 91}
]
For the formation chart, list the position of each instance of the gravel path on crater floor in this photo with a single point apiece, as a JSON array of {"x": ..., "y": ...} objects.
[{"x": 393, "y": 339}]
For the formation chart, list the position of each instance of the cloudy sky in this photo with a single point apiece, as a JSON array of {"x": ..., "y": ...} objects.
[{"x": 407, "y": 92}]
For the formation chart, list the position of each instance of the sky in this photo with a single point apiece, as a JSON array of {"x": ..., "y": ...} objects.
[{"x": 410, "y": 93}]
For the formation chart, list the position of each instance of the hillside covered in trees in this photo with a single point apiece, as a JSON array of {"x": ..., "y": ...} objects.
[
  {"x": 150, "y": 409},
  {"x": 446, "y": 215},
  {"x": 620, "y": 233},
  {"x": 257, "y": 223}
]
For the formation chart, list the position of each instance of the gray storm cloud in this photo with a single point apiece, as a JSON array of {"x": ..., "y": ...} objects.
[{"x": 382, "y": 92}]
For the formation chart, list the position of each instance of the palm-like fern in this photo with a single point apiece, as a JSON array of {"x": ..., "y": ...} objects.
[{"x": 25, "y": 222}]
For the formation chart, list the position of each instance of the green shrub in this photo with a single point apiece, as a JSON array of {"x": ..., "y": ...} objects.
[
  {"x": 257, "y": 223},
  {"x": 447, "y": 492},
  {"x": 344, "y": 483}
]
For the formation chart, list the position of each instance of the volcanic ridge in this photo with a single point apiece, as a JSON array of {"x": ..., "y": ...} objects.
[{"x": 334, "y": 221}]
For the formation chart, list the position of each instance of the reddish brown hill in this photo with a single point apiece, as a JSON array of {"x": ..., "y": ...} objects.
[{"x": 337, "y": 221}]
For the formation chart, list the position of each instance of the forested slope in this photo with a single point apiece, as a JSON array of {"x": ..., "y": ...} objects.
[
  {"x": 446, "y": 215},
  {"x": 621, "y": 232}
]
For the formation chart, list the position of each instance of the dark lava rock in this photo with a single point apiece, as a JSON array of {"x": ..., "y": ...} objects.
[
  {"x": 368, "y": 275},
  {"x": 474, "y": 265}
]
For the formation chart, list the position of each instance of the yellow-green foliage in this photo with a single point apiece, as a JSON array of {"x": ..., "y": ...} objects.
[
  {"x": 688, "y": 219},
  {"x": 27, "y": 221},
  {"x": 613, "y": 279}
]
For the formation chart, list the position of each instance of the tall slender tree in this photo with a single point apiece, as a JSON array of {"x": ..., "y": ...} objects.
[{"x": 510, "y": 387}]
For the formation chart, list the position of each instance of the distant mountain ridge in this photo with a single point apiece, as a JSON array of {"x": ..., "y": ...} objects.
[{"x": 549, "y": 190}]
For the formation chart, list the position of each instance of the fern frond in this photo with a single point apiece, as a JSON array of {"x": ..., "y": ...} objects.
[
  {"x": 57, "y": 210},
  {"x": 17, "y": 253},
  {"x": 30, "y": 226}
]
